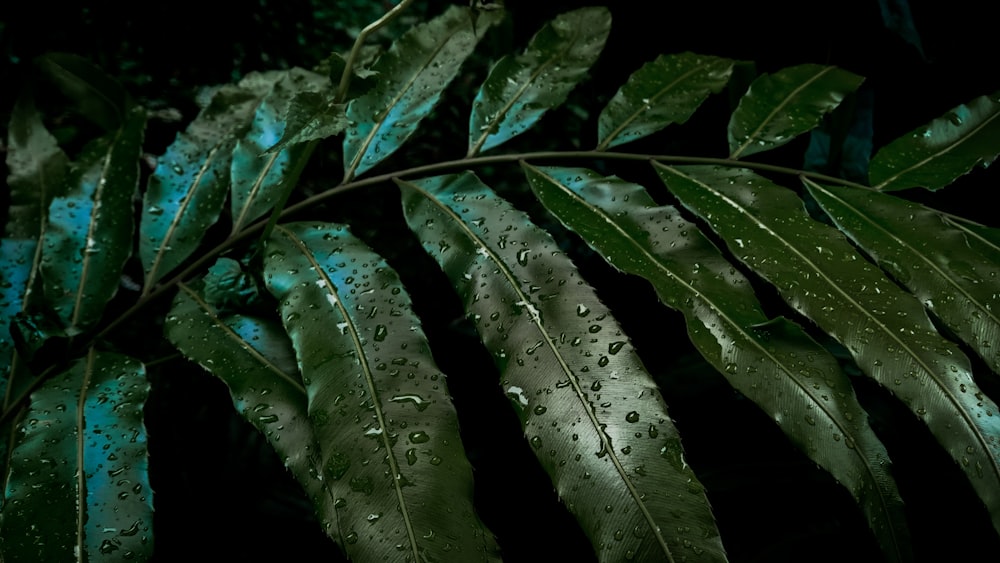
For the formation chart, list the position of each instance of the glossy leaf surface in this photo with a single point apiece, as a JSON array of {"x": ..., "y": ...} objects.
[
  {"x": 664, "y": 91},
  {"x": 254, "y": 357},
  {"x": 780, "y": 106},
  {"x": 311, "y": 116},
  {"x": 388, "y": 434},
  {"x": 936, "y": 154},
  {"x": 16, "y": 269},
  {"x": 89, "y": 234},
  {"x": 78, "y": 488},
  {"x": 589, "y": 409},
  {"x": 771, "y": 361},
  {"x": 885, "y": 329},
  {"x": 520, "y": 89},
  {"x": 258, "y": 175},
  {"x": 927, "y": 256},
  {"x": 412, "y": 75},
  {"x": 185, "y": 193}
]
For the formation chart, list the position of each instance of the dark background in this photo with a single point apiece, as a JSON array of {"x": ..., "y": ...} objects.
[{"x": 219, "y": 490}]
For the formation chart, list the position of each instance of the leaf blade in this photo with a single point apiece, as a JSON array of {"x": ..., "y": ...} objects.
[
  {"x": 760, "y": 357},
  {"x": 664, "y": 91},
  {"x": 935, "y": 155},
  {"x": 537, "y": 334},
  {"x": 785, "y": 104},
  {"x": 519, "y": 90}
]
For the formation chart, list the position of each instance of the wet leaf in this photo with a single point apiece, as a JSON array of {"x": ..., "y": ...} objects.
[
  {"x": 185, "y": 193},
  {"x": 885, "y": 329},
  {"x": 936, "y": 154},
  {"x": 16, "y": 268},
  {"x": 89, "y": 234},
  {"x": 664, "y": 91},
  {"x": 412, "y": 74},
  {"x": 388, "y": 435},
  {"x": 780, "y": 106},
  {"x": 311, "y": 116},
  {"x": 258, "y": 175},
  {"x": 97, "y": 96},
  {"x": 589, "y": 409},
  {"x": 923, "y": 253},
  {"x": 254, "y": 357},
  {"x": 228, "y": 288},
  {"x": 771, "y": 361},
  {"x": 520, "y": 89},
  {"x": 78, "y": 488}
]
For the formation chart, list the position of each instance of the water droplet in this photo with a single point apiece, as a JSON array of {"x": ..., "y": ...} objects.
[
  {"x": 632, "y": 416},
  {"x": 540, "y": 410},
  {"x": 536, "y": 442},
  {"x": 615, "y": 347},
  {"x": 380, "y": 333},
  {"x": 419, "y": 437}
]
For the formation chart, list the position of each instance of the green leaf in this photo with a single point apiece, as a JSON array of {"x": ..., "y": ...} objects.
[
  {"x": 388, "y": 434},
  {"x": 97, "y": 96},
  {"x": 985, "y": 240},
  {"x": 936, "y": 154},
  {"x": 885, "y": 329},
  {"x": 927, "y": 256},
  {"x": 259, "y": 176},
  {"x": 16, "y": 269},
  {"x": 412, "y": 75},
  {"x": 255, "y": 359},
  {"x": 780, "y": 106},
  {"x": 78, "y": 488},
  {"x": 89, "y": 234},
  {"x": 762, "y": 358},
  {"x": 228, "y": 288},
  {"x": 311, "y": 116},
  {"x": 37, "y": 167},
  {"x": 588, "y": 406},
  {"x": 664, "y": 91},
  {"x": 519, "y": 90},
  {"x": 185, "y": 193}
]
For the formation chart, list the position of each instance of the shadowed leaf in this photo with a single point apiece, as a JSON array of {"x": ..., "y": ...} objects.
[
  {"x": 936, "y": 154},
  {"x": 885, "y": 329},
  {"x": 588, "y": 407},
  {"x": 388, "y": 435},
  {"x": 311, "y": 116},
  {"x": 97, "y": 96},
  {"x": 520, "y": 89},
  {"x": 77, "y": 488},
  {"x": 780, "y": 106},
  {"x": 664, "y": 91},
  {"x": 89, "y": 234},
  {"x": 771, "y": 361}
]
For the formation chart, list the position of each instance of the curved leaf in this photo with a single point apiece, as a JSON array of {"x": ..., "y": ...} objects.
[
  {"x": 98, "y": 96},
  {"x": 259, "y": 175},
  {"x": 16, "y": 271},
  {"x": 985, "y": 240},
  {"x": 780, "y": 106},
  {"x": 78, "y": 487},
  {"x": 885, "y": 329},
  {"x": 519, "y": 90},
  {"x": 664, "y": 91},
  {"x": 185, "y": 193},
  {"x": 311, "y": 116},
  {"x": 936, "y": 154},
  {"x": 37, "y": 168},
  {"x": 388, "y": 434},
  {"x": 588, "y": 407},
  {"x": 412, "y": 75},
  {"x": 89, "y": 234},
  {"x": 927, "y": 256},
  {"x": 255, "y": 359},
  {"x": 764, "y": 359}
]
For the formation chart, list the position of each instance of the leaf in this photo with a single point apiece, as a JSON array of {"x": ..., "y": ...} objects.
[
  {"x": 388, "y": 434},
  {"x": 259, "y": 176},
  {"x": 78, "y": 488},
  {"x": 780, "y": 106},
  {"x": 37, "y": 167},
  {"x": 985, "y": 240},
  {"x": 98, "y": 97},
  {"x": 228, "y": 288},
  {"x": 412, "y": 75},
  {"x": 925, "y": 255},
  {"x": 812, "y": 401},
  {"x": 897, "y": 17},
  {"x": 185, "y": 193},
  {"x": 255, "y": 359},
  {"x": 936, "y": 154},
  {"x": 588, "y": 407},
  {"x": 519, "y": 90},
  {"x": 885, "y": 329},
  {"x": 311, "y": 116},
  {"x": 664, "y": 91},
  {"x": 16, "y": 269},
  {"x": 89, "y": 235}
]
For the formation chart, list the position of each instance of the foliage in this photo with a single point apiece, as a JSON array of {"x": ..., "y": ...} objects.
[{"x": 798, "y": 288}]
